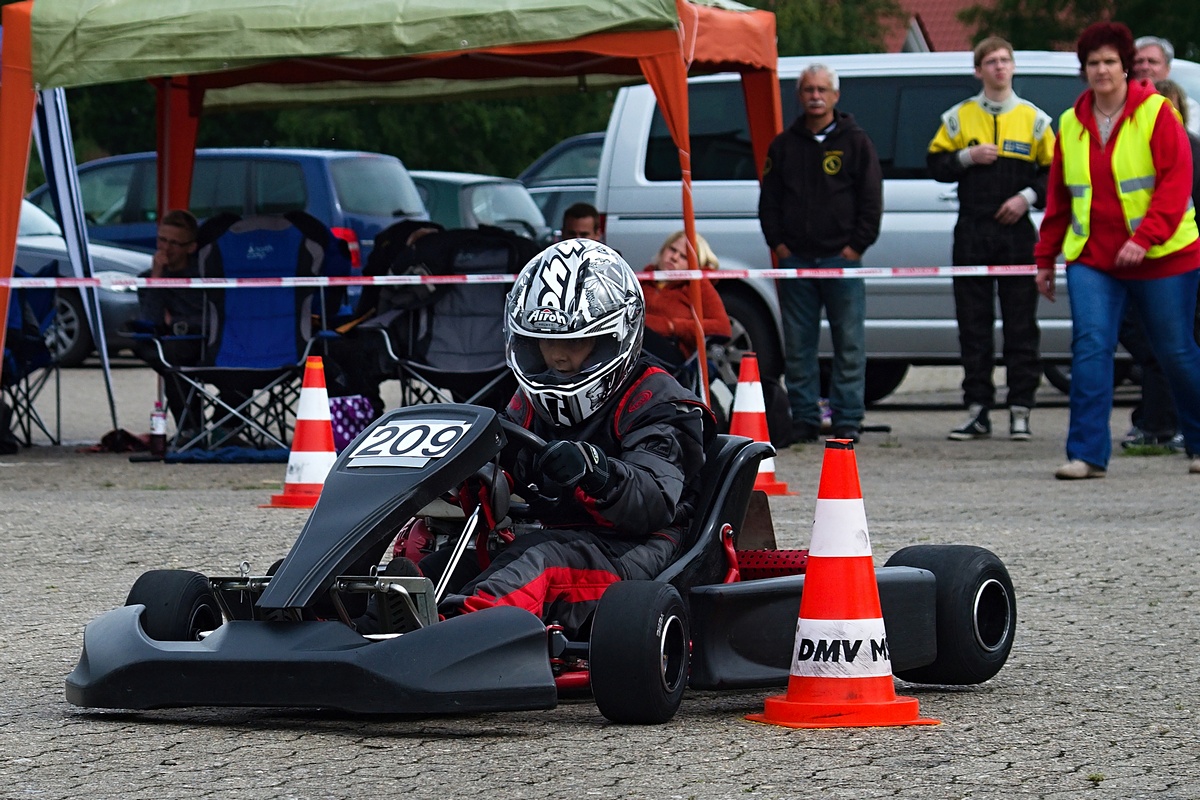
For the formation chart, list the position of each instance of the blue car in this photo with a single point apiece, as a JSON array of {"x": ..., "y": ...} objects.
[{"x": 356, "y": 194}]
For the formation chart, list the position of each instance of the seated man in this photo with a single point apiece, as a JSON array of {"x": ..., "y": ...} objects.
[
  {"x": 174, "y": 311},
  {"x": 625, "y": 442}
]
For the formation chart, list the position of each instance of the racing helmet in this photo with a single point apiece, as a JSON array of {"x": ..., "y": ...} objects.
[{"x": 575, "y": 289}]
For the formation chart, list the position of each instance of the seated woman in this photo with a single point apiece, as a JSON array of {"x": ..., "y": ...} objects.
[{"x": 670, "y": 317}]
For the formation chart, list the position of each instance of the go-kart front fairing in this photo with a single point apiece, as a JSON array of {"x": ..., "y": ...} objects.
[{"x": 278, "y": 652}]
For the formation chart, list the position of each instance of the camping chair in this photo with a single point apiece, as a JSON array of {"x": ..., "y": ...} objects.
[
  {"x": 450, "y": 348},
  {"x": 29, "y": 364},
  {"x": 256, "y": 339}
]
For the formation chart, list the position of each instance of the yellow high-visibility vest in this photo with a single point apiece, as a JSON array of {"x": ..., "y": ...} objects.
[{"x": 1133, "y": 173}]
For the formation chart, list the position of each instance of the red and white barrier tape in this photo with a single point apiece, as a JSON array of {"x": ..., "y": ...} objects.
[{"x": 112, "y": 281}]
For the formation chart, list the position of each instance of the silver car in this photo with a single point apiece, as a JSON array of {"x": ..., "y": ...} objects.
[{"x": 40, "y": 242}]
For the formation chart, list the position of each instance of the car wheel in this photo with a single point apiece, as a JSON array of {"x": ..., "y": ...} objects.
[
  {"x": 752, "y": 331},
  {"x": 639, "y": 652},
  {"x": 69, "y": 338},
  {"x": 883, "y": 378},
  {"x": 180, "y": 605},
  {"x": 976, "y": 612}
]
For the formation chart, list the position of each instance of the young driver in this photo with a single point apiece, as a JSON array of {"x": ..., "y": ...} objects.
[{"x": 625, "y": 442}]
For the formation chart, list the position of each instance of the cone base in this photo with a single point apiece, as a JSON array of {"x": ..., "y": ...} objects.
[
  {"x": 293, "y": 497},
  {"x": 779, "y": 710}
]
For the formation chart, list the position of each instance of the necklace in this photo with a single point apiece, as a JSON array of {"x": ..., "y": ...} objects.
[{"x": 1108, "y": 115}]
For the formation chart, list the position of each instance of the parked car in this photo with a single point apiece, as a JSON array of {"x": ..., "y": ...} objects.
[
  {"x": 564, "y": 175},
  {"x": 898, "y": 98},
  {"x": 356, "y": 194},
  {"x": 39, "y": 242},
  {"x": 467, "y": 200}
]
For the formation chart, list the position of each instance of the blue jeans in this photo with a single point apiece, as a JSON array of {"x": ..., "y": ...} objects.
[
  {"x": 1167, "y": 307},
  {"x": 845, "y": 303}
]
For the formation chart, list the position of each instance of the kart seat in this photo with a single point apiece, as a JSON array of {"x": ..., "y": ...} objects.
[{"x": 727, "y": 481}]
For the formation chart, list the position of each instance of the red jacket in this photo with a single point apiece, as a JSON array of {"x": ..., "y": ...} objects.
[
  {"x": 669, "y": 311},
  {"x": 1172, "y": 191}
]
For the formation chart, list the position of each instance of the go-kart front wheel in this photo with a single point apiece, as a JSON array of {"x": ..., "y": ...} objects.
[
  {"x": 639, "y": 652},
  {"x": 976, "y": 611},
  {"x": 180, "y": 605}
]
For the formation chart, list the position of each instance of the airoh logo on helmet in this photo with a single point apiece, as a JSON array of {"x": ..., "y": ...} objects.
[{"x": 547, "y": 319}]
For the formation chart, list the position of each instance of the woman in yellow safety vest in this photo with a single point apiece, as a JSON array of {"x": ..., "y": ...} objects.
[{"x": 1119, "y": 209}]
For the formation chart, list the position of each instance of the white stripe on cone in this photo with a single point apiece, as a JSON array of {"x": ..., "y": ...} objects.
[
  {"x": 840, "y": 529},
  {"x": 749, "y": 398},
  {"x": 309, "y": 467}
]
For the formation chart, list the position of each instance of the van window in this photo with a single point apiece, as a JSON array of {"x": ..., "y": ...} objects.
[
  {"x": 278, "y": 187},
  {"x": 376, "y": 186},
  {"x": 720, "y": 137},
  {"x": 900, "y": 114},
  {"x": 1053, "y": 94}
]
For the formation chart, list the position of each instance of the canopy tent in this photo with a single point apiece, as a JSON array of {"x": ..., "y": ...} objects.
[{"x": 222, "y": 52}]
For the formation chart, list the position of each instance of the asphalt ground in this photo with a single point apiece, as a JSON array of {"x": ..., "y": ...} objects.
[{"x": 1097, "y": 700}]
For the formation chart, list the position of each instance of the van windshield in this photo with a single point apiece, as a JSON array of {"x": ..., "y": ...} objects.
[{"x": 375, "y": 186}]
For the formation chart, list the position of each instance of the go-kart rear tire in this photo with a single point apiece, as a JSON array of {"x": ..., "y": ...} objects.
[
  {"x": 639, "y": 652},
  {"x": 179, "y": 604},
  {"x": 976, "y": 612}
]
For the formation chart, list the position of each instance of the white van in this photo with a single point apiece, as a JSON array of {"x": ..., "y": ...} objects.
[{"x": 899, "y": 99}]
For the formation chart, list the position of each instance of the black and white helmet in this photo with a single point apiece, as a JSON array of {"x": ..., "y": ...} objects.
[{"x": 575, "y": 289}]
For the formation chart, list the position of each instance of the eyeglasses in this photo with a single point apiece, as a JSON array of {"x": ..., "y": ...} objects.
[{"x": 164, "y": 241}]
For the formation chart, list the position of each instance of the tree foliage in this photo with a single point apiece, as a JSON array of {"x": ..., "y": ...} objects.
[
  {"x": 1056, "y": 24},
  {"x": 821, "y": 27}
]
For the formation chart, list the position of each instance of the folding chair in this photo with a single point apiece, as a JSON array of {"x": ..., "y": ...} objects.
[
  {"x": 256, "y": 339},
  {"x": 29, "y": 364},
  {"x": 455, "y": 345},
  {"x": 451, "y": 347}
]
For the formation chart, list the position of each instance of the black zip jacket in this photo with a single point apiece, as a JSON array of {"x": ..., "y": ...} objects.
[{"x": 819, "y": 197}]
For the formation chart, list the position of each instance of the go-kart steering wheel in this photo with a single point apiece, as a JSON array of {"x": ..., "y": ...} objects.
[
  {"x": 521, "y": 437},
  {"x": 523, "y": 440}
]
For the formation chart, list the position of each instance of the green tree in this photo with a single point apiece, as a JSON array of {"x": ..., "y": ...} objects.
[
  {"x": 494, "y": 137},
  {"x": 821, "y": 27},
  {"x": 1055, "y": 24}
]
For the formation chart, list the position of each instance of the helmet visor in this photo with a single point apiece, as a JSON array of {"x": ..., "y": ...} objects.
[{"x": 562, "y": 362}]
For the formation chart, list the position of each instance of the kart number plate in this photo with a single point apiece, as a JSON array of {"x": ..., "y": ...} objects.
[{"x": 408, "y": 444}]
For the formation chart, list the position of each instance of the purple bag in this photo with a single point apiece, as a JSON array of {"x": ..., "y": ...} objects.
[{"x": 350, "y": 416}]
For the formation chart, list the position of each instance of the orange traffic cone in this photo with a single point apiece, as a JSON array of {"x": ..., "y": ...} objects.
[
  {"x": 312, "y": 453},
  {"x": 750, "y": 419},
  {"x": 841, "y": 675}
]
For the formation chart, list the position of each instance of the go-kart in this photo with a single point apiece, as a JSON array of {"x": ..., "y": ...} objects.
[{"x": 721, "y": 616}]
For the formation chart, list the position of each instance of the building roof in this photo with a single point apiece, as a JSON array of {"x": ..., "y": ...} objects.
[{"x": 931, "y": 25}]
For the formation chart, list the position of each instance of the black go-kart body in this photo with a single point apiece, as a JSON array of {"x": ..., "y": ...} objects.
[{"x": 722, "y": 616}]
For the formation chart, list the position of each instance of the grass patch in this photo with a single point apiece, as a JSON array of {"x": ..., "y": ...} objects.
[{"x": 1147, "y": 450}]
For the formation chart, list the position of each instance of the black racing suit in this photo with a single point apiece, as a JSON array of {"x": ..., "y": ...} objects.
[
  {"x": 654, "y": 433},
  {"x": 1025, "y": 140}
]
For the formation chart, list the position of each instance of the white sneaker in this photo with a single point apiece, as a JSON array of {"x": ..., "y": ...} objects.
[
  {"x": 1018, "y": 424},
  {"x": 1076, "y": 469}
]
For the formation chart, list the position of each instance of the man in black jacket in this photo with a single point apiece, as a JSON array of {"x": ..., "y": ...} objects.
[{"x": 821, "y": 202}]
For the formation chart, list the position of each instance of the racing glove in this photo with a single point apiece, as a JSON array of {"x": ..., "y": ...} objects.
[{"x": 574, "y": 464}]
